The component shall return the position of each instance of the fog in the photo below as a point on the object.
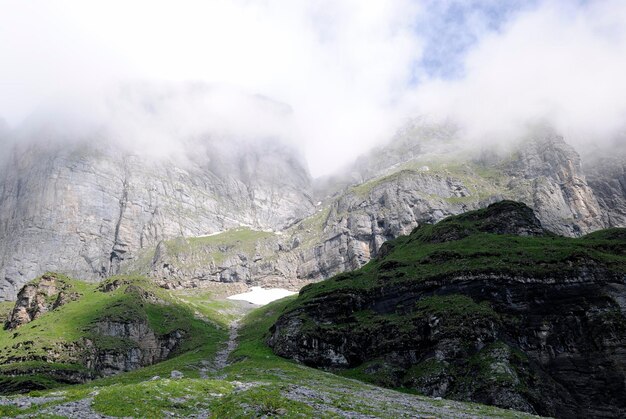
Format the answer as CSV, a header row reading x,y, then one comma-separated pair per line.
x,y
332,78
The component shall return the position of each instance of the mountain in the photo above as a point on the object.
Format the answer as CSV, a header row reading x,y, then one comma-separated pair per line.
x,y
161,184
487,306
85,204
358,211
216,362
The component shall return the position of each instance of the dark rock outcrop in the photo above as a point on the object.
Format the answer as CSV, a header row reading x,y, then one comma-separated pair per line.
x,y
149,348
533,322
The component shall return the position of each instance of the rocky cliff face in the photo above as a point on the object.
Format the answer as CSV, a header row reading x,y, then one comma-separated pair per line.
x,y
466,310
365,216
607,179
421,186
545,173
95,211
240,255
551,173
83,210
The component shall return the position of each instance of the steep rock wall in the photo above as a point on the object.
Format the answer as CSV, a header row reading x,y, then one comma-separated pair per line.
x,y
83,210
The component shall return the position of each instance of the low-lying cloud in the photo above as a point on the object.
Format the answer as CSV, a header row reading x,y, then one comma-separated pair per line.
x,y
347,73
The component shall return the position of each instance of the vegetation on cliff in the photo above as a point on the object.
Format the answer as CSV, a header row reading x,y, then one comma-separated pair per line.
x,y
121,324
485,306
256,383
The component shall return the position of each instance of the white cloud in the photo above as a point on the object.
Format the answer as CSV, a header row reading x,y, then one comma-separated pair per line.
x,y
348,69
342,66
557,63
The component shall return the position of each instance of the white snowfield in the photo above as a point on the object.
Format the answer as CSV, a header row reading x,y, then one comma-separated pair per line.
x,y
262,296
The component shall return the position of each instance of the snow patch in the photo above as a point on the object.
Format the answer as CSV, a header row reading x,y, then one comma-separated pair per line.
x,y
262,296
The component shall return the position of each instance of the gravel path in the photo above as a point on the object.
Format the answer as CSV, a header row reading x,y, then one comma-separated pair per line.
x,y
221,358
354,403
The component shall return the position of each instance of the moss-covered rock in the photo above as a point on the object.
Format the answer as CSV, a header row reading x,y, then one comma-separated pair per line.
x,y
485,307
120,325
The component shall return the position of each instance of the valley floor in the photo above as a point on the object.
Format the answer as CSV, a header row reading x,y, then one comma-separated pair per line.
x,y
243,379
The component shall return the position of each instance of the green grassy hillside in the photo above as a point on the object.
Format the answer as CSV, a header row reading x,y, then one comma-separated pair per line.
x,y
257,383
54,348
485,306
464,244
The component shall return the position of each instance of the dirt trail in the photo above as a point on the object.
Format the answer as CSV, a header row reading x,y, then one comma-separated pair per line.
x,y
221,358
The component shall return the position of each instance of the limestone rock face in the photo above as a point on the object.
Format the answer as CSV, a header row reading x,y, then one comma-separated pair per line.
x,y
83,210
352,223
36,299
546,174
423,180
242,256
364,217
552,173
607,179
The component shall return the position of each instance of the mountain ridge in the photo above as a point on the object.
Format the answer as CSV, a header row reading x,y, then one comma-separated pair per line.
x,y
91,212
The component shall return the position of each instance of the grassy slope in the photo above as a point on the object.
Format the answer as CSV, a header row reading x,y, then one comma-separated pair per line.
x,y
5,309
35,341
421,256
481,181
257,383
228,243
197,252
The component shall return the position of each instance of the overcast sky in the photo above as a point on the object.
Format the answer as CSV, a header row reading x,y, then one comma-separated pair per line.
x,y
351,70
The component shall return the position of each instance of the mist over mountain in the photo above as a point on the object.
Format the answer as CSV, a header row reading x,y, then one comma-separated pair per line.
x,y
153,164
441,183
352,72
101,189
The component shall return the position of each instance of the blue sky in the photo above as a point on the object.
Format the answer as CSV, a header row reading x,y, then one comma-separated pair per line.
x,y
451,28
